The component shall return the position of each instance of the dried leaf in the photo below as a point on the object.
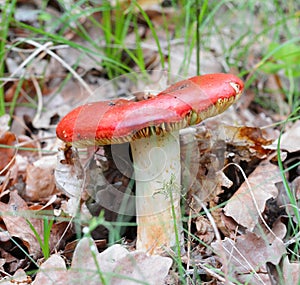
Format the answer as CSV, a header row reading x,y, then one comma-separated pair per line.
x,y
69,173
290,140
7,152
278,229
246,204
248,254
291,272
201,160
14,215
140,266
70,206
205,230
118,267
20,277
116,259
40,182
52,271
4,124
84,269
249,138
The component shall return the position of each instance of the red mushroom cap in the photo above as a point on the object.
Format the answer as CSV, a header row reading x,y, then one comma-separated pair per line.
x,y
185,103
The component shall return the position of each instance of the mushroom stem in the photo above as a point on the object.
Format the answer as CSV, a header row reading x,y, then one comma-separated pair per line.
x,y
157,173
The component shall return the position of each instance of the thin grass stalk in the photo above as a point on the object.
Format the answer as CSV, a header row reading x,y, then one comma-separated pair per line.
x,y
154,34
7,16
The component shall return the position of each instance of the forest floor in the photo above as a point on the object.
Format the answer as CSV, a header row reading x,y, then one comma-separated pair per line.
x,y
61,223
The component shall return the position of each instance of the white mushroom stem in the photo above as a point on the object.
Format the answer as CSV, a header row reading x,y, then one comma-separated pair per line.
x,y
157,173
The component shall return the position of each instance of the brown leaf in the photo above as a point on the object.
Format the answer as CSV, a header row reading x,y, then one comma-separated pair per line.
x,y
249,138
14,215
7,139
114,261
246,204
248,255
201,160
40,182
27,87
204,231
290,140
291,272
19,278
140,266
278,229
52,271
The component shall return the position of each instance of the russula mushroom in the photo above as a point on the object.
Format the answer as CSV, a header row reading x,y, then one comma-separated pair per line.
x,y
152,128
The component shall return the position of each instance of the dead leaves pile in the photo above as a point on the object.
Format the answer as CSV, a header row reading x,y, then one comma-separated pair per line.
x,y
254,245
115,265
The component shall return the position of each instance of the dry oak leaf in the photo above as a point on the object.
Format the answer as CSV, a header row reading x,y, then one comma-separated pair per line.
x,y
247,203
69,173
40,183
117,265
290,140
246,257
7,153
19,278
248,142
291,272
53,272
14,215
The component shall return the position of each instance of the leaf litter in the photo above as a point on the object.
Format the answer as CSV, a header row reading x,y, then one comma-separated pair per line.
x,y
116,264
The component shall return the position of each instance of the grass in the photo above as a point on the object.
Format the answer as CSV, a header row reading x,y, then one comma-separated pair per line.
x,y
44,241
6,19
294,217
255,40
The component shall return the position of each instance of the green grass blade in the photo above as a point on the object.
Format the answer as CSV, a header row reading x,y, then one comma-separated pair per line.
x,y
6,18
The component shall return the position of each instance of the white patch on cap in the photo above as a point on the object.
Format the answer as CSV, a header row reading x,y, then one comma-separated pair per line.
x,y
235,86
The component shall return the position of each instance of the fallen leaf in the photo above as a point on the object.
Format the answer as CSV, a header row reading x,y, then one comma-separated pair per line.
x,y
7,151
116,265
247,203
40,182
14,215
290,140
291,272
84,267
69,173
202,158
4,124
257,279
117,261
283,200
20,277
204,229
279,230
247,256
249,138
138,266
52,271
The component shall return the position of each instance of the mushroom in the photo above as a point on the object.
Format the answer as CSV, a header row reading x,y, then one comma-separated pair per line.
x,y
152,128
